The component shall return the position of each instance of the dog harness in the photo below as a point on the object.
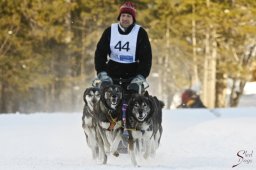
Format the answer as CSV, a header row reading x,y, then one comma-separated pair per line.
x,y
112,121
123,47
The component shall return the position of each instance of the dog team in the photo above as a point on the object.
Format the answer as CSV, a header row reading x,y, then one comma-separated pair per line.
x,y
109,121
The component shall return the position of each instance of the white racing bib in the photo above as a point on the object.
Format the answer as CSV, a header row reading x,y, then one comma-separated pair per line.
x,y
123,47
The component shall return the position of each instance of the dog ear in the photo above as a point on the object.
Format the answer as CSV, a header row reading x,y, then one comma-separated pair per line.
x,y
131,100
146,94
102,91
85,92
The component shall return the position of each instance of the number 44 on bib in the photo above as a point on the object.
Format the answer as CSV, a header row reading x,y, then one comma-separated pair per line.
x,y
120,47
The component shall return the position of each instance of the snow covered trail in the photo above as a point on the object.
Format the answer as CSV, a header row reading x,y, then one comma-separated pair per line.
x,y
192,139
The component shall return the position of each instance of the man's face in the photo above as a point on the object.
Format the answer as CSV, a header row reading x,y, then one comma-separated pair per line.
x,y
126,20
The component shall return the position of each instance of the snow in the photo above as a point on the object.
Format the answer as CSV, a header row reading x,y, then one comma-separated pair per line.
x,y
248,98
250,88
192,139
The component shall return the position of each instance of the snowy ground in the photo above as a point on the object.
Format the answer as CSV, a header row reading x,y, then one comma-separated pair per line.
x,y
192,139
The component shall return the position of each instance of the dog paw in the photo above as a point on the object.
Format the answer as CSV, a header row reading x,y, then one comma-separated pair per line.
x,y
101,161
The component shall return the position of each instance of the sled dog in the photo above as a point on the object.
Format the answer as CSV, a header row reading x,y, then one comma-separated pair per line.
x,y
144,124
91,97
109,124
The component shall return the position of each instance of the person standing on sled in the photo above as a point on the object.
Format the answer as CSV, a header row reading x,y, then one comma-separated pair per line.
x,y
123,55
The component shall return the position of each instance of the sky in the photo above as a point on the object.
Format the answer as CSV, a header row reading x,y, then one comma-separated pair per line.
x,y
198,139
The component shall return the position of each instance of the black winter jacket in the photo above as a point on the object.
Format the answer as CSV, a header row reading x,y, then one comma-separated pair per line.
x,y
120,70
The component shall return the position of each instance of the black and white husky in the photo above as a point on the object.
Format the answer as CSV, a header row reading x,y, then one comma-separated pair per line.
x,y
144,124
91,97
109,122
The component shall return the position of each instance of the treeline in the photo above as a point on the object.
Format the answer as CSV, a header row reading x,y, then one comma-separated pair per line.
x,y
47,49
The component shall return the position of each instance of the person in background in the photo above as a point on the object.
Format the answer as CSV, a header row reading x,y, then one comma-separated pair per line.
x,y
123,54
190,99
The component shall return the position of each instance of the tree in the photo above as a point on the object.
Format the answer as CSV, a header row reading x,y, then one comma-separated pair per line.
x,y
32,30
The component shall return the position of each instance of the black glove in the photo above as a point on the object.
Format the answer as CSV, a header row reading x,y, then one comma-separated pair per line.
x,y
137,84
105,79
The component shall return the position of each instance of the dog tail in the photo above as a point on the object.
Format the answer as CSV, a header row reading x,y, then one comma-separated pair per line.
x,y
160,102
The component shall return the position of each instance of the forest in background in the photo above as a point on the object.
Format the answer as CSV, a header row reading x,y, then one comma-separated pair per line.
x,y
47,49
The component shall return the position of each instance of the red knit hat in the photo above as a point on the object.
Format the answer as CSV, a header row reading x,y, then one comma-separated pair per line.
x,y
187,95
129,8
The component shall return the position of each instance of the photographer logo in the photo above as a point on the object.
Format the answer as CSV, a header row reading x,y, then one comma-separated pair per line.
x,y
244,157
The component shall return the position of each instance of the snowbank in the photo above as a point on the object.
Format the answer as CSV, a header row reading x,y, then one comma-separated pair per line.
x,y
198,139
